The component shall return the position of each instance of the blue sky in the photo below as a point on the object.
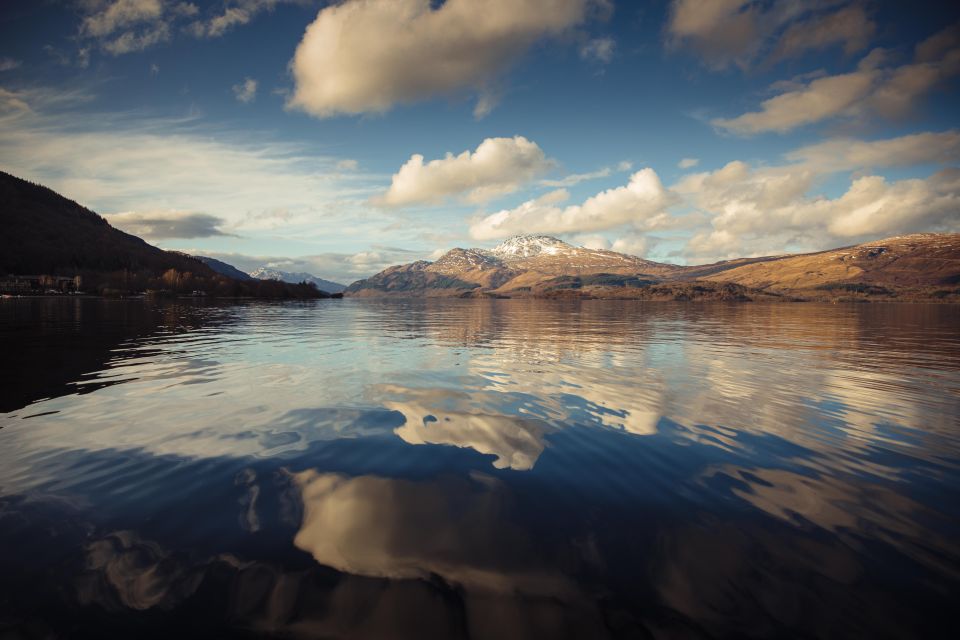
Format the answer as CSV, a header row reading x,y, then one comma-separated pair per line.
x,y
340,138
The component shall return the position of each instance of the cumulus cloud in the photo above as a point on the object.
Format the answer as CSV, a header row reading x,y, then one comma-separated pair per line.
x,y
739,32
155,225
598,50
365,56
592,241
632,243
688,163
872,88
871,207
642,203
245,91
498,166
763,210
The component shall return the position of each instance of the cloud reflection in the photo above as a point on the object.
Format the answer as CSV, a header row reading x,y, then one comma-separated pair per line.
x,y
394,528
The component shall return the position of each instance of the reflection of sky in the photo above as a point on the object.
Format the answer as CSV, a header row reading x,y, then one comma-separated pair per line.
x,y
499,377
511,449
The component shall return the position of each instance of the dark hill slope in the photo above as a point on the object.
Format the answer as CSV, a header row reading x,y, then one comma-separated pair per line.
x,y
43,232
224,269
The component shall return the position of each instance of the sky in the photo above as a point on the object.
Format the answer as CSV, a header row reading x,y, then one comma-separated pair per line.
x,y
340,138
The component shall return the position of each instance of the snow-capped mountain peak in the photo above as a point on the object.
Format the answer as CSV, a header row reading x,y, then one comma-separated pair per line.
x,y
267,273
527,246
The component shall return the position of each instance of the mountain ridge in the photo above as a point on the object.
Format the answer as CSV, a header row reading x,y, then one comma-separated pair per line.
x,y
544,266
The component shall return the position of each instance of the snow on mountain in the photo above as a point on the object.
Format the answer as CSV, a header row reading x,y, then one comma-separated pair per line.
x,y
528,246
266,273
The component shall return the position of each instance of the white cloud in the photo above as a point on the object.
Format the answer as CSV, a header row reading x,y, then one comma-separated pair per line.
x,y
632,243
116,162
245,91
592,241
738,32
347,164
577,178
344,268
871,207
109,17
850,27
764,210
127,26
365,56
498,166
598,50
642,203
822,98
847,154
688,163
872,88
155,225
8,64
236,13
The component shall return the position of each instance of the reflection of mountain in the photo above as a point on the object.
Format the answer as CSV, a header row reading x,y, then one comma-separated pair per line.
x,y
78,337
917,266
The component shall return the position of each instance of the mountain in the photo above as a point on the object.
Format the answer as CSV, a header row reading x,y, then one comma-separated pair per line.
x,y
921,266
223,268
266,273
517,264
45,234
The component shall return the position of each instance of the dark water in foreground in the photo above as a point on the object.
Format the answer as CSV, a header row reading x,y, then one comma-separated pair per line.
x,y
481,469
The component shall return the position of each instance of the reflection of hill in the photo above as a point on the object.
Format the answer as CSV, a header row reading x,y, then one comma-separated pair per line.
x,y
74,337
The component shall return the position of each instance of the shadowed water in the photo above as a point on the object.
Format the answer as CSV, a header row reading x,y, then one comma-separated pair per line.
x,y
478,469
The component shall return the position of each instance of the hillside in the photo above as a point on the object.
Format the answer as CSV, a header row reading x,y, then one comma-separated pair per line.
x,y
47,234
223,268
922,266
918,260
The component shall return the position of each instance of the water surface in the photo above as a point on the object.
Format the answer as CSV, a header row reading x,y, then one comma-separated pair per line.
x,y
478,469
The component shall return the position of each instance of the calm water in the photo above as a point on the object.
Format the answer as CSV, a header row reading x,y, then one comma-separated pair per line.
x,y
478,469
